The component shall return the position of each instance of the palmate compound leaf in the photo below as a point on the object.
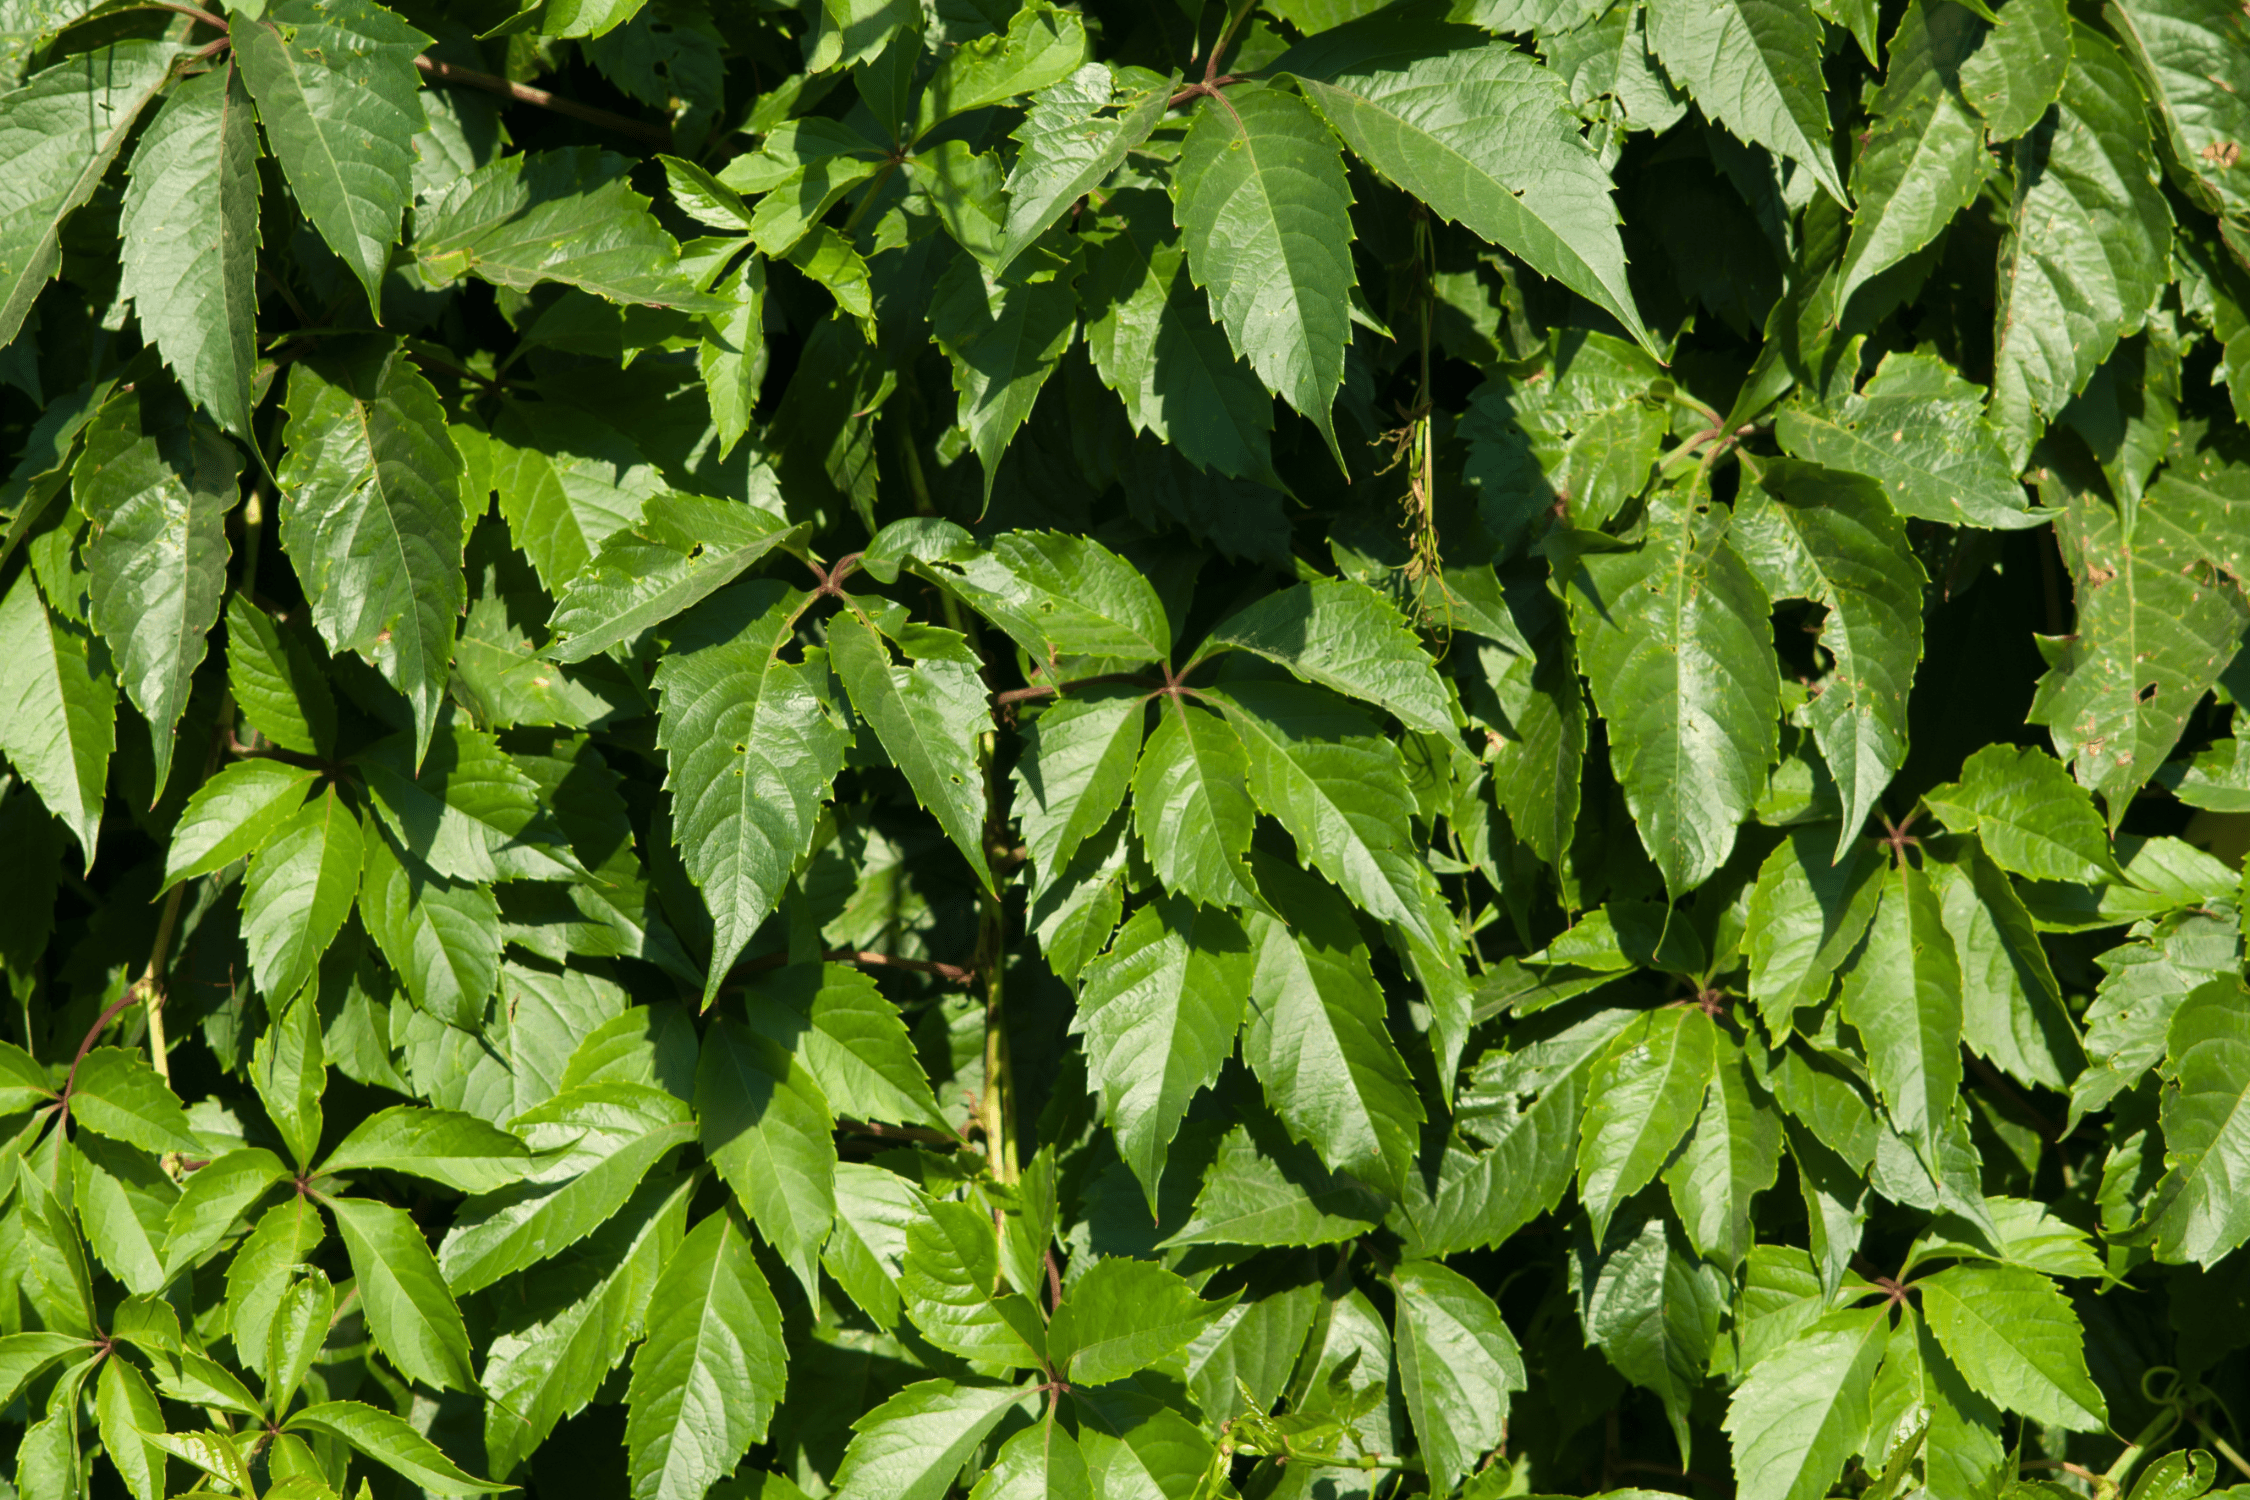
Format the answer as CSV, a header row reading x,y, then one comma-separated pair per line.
x,y
1834,540
1483,135
59,134
372,515
2198,1212
1158,1013
2014,1337
1457,1362
1642,1096
1804,1409
1264,210
927,715
707,1378
2088,244
1755,69
1673,637
58,708
752,747
336,90
190,229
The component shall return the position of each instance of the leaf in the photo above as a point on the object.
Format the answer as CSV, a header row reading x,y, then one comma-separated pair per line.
x,y
1804,1409
1902,994
299,1330
2011,1005
1159,1012
927,717
1075,767
706,1380
1315,1034
752,749
409,1311
2088,241
1042,45
1482,135
2195,1214
1264,1189
1191,806
276,682
569,216
215,1196
2156,625
1005,336
1918,1385
2017,71
1343,636
732,357
866,1249
766,1127
441,937
913,1445
1457,1363
1125,1315
59,133
1263,210
2028,815
2016,1341
335,86
683,549
1923,159
1806,916
567,482
947,1280
2190,60
1653,1309
1754,69
298,890
1042,1463
591,1147
850,1040
1068,143
1690,738
1055,595
443,1145
290,1072
372,516
1733,1155
1643,1095
1833,540
392,1442
124,1409
58,705
472,813
1918,429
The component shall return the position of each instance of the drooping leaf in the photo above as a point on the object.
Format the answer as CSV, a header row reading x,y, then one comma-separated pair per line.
x,y
2194,1213
1652,1308
1068,142
1902,994
1457,1363
1005,334
1733,1155
684,549
394,1443
1343,636
276,682
1191,805
927,716
58,707
409,1311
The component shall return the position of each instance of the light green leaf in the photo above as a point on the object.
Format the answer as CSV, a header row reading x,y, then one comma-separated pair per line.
x,y
752,748
2011,1005
1804,1409
1457,1362
927,716
1344,636
1902,995
567,482
683,549
216,1195
1733,1155
441,937
59,133
392,1442
276,681
298,891
1068,143
2016,1340
1643,1095
232,815
1125,1315
732,355
1265,1189
767,1128
1056,595
1674,640
1481,134
290,1072
1191,806
1918,1384
409,1311
444,1145
121,1197
1754,68
1042,45
1159,1012
1073,772
125,1409
849,1038
336,89
58,708
1806,916
947,1279
913,1445
866,1249
300,1328
1263,209
706,1380
1038,1463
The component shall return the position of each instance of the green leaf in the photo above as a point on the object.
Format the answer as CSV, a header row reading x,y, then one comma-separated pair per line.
x,y
1042,45
753,749
2016,1340
2017,71
683,549
1585,432
732,355
59,133
409,1311
1315,1034
1804,1410
1755,69
232,816
866,1249
2195,1214
1038,1463
1191,806
1457,1362
711,1370
569,216
458,1150
927,716
767,1128
124,1409
1806,916
290,1072
299,1330
1653,1309
1125,1315
1068,143
567,482
336,86
1733,1155
1055,595
216,1195
849,1038
1159,1012
58,707
392,1442
1919,1384
298,890
190,228
1005,336
2028,815
1902,994
1072,775
1481,134
276,681
946,1279
1923,158
116,1094
1344,636
2088,243
471,814
1690,738
372,516
2011,1005
441,937
1264,1189
1643,1095
1264,211
1918,429
591,1146
1832,539
2156,624
121,1198
2191,60
913,1445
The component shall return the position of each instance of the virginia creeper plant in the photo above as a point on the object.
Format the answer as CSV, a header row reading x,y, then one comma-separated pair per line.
x,y
1154,750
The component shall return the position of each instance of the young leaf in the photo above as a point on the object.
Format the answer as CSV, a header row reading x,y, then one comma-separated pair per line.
x,y
1643,1095
124,1409
290,1072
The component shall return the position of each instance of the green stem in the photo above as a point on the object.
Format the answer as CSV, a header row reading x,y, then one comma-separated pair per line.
x,y
2226,1450
2158,1429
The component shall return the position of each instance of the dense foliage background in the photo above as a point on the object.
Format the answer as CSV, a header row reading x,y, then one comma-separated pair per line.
x,y
1147,752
